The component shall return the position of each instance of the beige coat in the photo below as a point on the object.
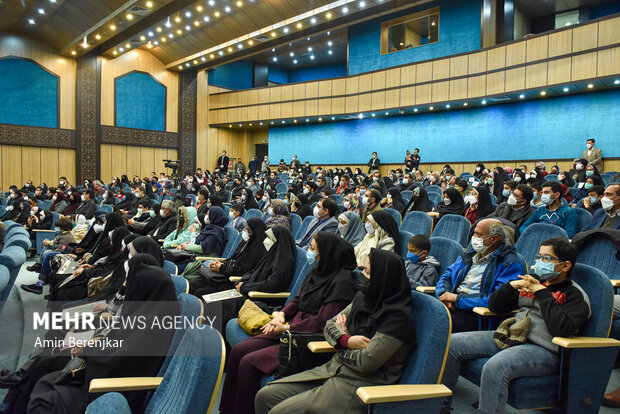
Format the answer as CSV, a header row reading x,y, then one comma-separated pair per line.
x,y
595,157
380,363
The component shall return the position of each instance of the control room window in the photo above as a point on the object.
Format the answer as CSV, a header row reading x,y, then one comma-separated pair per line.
x,y
410,31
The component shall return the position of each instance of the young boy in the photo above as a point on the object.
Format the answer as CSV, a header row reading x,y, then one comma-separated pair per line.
x,y
422,268
236,215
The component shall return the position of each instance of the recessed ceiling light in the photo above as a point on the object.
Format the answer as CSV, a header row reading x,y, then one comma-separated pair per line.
x,y
149,4
432,23
387,113
273,49
260,123
328,15
275,58
295,61
143,38
199,8
329,52
310,49
484,102
416,109
590,85
291,54
122,49
211,3
195,62
430,107
239,3
311,57
220,53
360,116
565,89
156,43
373,114
295,121
217,14
73,52
345,9
115,53
239,46
250,42
313,20
149,45
188,27
299,25
97,36
158,30
180,66
465,104
320,119
617,82
177,19
307,120
203,58
150,34
127,45
285,30
211,55
179,31
330,43
196,23
129,16
521,96
284,122
543,93
113,27
448,106
188,14
170,35
187,64
362,4
230,49
41,11
227,9
271,122
333,117
273,34
53,1
163,39
206,19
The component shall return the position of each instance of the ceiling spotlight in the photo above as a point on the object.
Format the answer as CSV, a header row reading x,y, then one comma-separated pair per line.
x,y
590,85
73,52
203,58
195,62
239,3
187,64
465,104
521,96
128,45
373,114
168,24
416,109
448,106
217,14
188,27
211,55
170,35
230,49
53,1
313,20
311,57
565,89
149,4
291,54
273,49
433,23
177,19
158,30
543,93
113,27
180,66
387,113
360,116
330,43
97,36
129,16
143,38
329,52
239,46
196,23
310,49
150,34
206,19
345,9
199,8
617,82
284,122
307,120
271,122
328,15
250,42
295,61
362,4
188,14
273,34
260,123
430,107
41,11
299,25
320,119
285,30
484,102
211,3
275,58
115,53
122,49
156,43
220,52
149,45
227,9
179,32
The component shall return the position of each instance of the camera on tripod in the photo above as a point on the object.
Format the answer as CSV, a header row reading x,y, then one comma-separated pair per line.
x,y
174,165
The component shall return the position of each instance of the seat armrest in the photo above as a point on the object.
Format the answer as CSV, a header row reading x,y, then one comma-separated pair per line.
x,y
161,240
615,283
174,246
204,259
585,342
124,384
265,295
426,289
234,279
44,231
320,347
401,392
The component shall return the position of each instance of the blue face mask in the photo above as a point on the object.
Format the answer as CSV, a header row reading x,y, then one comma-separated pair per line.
x,y
593,200
490,181
589,173
545,271
311,257
588,186
546,199
413,258
505,193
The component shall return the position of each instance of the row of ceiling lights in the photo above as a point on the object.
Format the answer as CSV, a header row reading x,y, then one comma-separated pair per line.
x,y
41,12
403,111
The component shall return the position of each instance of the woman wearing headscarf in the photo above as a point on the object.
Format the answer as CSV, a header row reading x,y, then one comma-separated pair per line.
x,y
591,181
566,179
452,203
39,220
245,258
350,227
418,202
60,202
351,202
212,239
22,212
81,228
108,198
302,206
74,203
185,219
127,200
382,234
478,172
103,245
578,172
142,353
393,200
247,199
373,337
327,289
279,214
519,176
477,204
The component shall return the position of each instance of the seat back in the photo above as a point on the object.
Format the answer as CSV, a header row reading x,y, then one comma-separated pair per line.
x,y
304,226
301,271
227,195
395,214
106,208
433,189
5,286
551,177
171,268
417,222
601,295
181,285
446,251
12,257
281,188
455,227
55,216
585,218
192,198
193,378
607,178
253,213
434,198
295,223
404,237
529,241
433,327
338,198
601,254
232,242
18,239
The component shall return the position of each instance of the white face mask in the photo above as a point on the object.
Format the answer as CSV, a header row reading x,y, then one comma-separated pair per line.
x,y
306,191
512,200
579,166
342,229
607,203
316,212
369,228
98,228
589,146
161,213
470,199
265,198
126,266
364,200
231,214
268,243
83,198
477,169
346,205
405,180
245,236
110,234
518,178
270,211
478,244
447,201
54,198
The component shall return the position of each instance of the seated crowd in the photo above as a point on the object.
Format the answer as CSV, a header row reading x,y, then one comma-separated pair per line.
x,y
357,277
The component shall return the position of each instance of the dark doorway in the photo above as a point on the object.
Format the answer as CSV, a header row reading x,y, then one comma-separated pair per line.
x,y
261,151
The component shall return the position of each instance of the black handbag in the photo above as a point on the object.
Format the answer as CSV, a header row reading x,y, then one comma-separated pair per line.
x,y
179,256
294,355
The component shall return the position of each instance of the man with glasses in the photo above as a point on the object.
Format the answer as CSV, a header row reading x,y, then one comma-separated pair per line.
x,y
516,208
553,212
606,217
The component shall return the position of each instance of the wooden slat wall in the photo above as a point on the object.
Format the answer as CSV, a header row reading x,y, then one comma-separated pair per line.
x,y
131,160
144,61
514,67
65,68
41,165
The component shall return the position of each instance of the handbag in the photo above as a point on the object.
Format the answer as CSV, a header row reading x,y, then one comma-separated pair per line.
x,y
251,318
294,355
179,256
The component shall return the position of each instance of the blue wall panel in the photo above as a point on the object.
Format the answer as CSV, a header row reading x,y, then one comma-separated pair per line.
x,y
459,31
234,75
28,94
277,74
140,102
317,72
545,128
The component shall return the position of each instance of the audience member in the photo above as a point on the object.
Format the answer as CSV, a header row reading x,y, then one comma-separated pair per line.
x,y
553,212
517,208
594,156
421,267
324,220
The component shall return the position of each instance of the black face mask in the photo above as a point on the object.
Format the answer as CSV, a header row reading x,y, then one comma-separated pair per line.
x,y
362,283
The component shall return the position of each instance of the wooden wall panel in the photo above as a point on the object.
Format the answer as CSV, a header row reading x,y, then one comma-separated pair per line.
x,y
253,113
515,53
584,66
299,108
286,110
608,33
392,98
253,97
537,48
66,164
312,107
408,95
608,62
287,92
365,83
408,74
134,160
496,58
338,105
352,85
65,68
378,80
263,95
364,102
476,86
441,91
424,72
536,75
423,94
458,89
312,90
31,164
274,111
477,62
585,37
11,166
378,101
495,82
325,107
351,104
441,69
515,79
458,65
299,91
202,121
392,78
105,157
325,88
275,94
142,60
338,87
39,164
559,71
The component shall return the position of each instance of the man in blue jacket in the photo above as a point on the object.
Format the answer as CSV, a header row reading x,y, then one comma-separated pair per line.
x,y
469,281
606,217
552,211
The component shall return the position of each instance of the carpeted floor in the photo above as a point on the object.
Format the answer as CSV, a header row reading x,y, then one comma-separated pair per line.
x,y
18,337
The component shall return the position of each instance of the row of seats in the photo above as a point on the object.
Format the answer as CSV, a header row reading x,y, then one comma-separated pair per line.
x,y
13,255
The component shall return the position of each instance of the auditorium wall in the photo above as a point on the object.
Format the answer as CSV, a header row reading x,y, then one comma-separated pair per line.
x,y
41,165
132,160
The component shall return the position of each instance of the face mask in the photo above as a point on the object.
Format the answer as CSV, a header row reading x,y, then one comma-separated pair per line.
x,y
413,258
268,243
518,178
151,213
560,177
62,182
589,146
209,204
231,214
588,186
512,200
607,203
490,181
69,193
57,229
32,212
478,244
161,213
546,199
245,236
362,283
110,234
306,191
265,198
311,257
470,199
589,173
477,169
316,212
364,200
447,201
9,208
545,271
369,228
527,176
505,193
405,181
126,267
579,166
593,200
139,211
346,205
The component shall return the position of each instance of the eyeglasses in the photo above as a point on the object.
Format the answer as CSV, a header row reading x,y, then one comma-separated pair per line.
x,y
546,258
